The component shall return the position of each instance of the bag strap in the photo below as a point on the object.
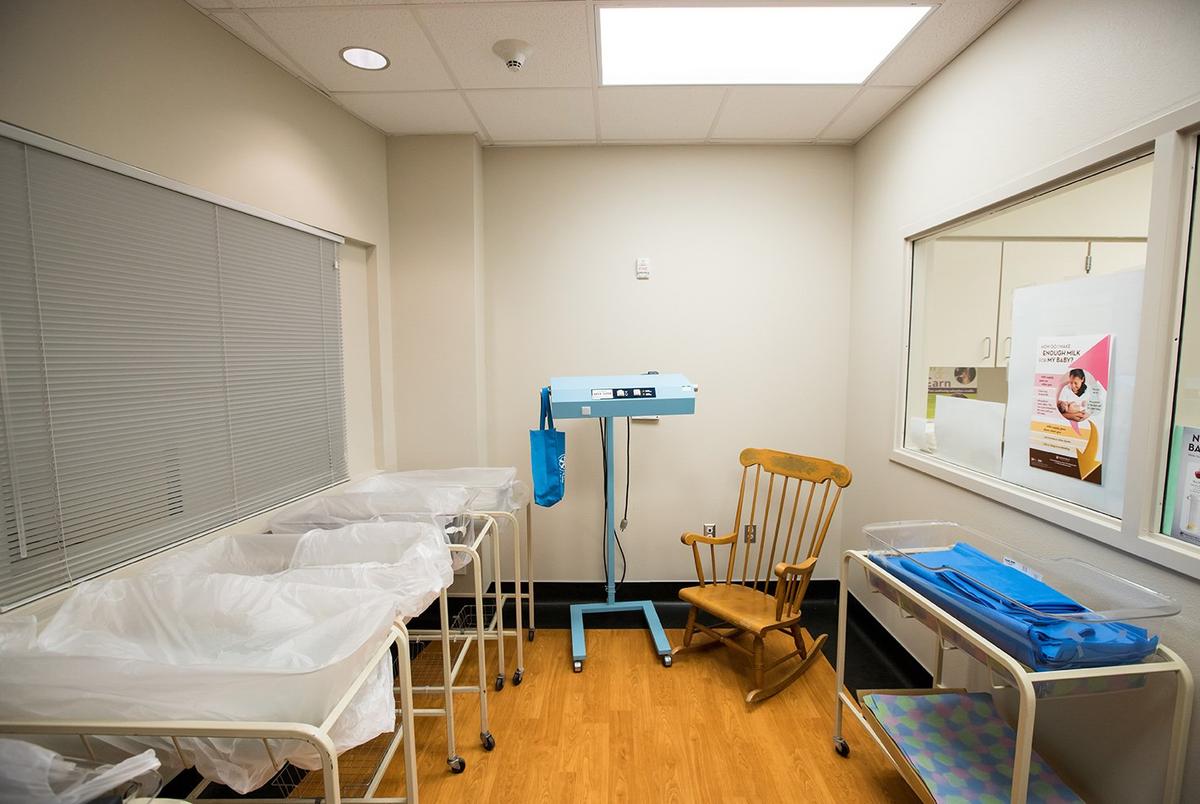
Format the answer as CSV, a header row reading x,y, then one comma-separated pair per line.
x,y
547,414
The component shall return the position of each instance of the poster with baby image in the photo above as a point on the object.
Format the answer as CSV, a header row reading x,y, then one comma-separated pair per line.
x,y
1186,520
1070,387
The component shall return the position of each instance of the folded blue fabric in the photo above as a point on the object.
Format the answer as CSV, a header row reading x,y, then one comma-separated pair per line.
x,y
1011,609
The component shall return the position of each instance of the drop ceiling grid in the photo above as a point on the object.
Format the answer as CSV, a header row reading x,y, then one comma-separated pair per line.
x,y
459,62
483,132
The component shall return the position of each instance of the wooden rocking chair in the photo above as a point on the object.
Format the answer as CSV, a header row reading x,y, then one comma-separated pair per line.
x,y
756,604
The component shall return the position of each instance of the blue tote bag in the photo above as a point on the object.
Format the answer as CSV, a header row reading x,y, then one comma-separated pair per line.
x,y
548,454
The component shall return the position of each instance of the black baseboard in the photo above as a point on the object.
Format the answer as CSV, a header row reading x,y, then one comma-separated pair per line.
x,y
656,591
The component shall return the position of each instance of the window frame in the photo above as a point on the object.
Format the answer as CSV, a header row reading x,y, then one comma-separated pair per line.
x,y
81,155
1172,139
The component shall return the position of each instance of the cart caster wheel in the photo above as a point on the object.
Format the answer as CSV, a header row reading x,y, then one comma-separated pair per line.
x,y
578,666
666,660
499,683
487,740
531,633
518,677
457,764
842,747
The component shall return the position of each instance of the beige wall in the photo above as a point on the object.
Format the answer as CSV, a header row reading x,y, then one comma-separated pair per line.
x,y
155,84
437,270
749,251
1051,77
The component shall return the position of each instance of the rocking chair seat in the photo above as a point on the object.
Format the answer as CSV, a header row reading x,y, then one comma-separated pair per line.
x,y
741,606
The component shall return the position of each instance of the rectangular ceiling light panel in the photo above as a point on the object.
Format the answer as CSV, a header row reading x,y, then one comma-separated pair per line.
x,y
747,45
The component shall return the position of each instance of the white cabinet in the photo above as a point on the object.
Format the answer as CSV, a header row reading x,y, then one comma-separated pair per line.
x,y
1033,262
969,284
962,282
1109,258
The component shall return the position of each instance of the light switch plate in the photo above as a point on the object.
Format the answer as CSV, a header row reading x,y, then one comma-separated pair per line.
x,y
642,268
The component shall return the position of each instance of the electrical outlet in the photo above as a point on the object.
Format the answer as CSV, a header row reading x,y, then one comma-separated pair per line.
x,y
710,529
751,532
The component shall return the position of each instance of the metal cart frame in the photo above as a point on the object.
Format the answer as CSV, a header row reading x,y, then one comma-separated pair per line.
x,y
315,736
953,634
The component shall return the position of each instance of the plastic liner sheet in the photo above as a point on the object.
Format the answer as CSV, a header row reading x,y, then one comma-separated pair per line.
x,y
444,506
208,647
31,774
408,560
336,510
490,488
1018,613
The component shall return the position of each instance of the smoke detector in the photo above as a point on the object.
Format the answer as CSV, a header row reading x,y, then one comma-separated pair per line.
x,y
513,52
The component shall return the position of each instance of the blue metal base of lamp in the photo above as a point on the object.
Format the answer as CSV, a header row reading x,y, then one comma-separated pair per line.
x,y
578,648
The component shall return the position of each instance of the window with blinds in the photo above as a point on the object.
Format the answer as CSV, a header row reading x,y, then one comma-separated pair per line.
x,y
167,366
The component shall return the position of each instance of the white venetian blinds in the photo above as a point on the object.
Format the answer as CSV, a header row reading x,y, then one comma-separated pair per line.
x,y
167,365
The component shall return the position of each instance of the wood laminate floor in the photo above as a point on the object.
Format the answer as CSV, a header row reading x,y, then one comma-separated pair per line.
x,y
627,729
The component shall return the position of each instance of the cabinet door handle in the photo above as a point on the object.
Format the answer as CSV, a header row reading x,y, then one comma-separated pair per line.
x,y
988,343
1008,347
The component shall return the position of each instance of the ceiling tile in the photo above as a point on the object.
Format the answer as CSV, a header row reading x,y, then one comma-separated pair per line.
x,y
241,27
314,37
662,113
558,32
864,112
412,112
780,113
535,115
944,33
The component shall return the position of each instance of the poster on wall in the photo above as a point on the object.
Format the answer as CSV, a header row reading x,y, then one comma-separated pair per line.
x,y
1107,303
1070,392
1185,523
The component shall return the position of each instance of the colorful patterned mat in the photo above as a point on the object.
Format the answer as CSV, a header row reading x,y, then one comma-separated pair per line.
x,y
961,748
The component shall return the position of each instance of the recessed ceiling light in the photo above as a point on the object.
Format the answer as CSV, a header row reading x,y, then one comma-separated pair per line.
x,y
746,45
364,58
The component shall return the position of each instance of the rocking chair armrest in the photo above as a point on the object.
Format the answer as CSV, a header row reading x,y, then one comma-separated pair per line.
x,y
793,579
783,570
692,538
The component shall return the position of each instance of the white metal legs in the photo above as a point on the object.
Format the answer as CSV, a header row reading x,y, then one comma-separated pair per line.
x,y
450,670
497,625
1180,722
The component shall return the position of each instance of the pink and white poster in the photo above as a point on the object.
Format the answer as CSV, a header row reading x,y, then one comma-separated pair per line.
x,y
1070,391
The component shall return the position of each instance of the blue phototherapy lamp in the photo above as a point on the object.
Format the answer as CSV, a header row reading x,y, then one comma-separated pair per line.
x,y
605,398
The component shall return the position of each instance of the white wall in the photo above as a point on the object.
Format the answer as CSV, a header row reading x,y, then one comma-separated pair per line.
x,y
434,209
1051,77
749,250
155,84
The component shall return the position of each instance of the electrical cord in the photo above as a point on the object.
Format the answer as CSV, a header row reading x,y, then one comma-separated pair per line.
x,y
604,460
